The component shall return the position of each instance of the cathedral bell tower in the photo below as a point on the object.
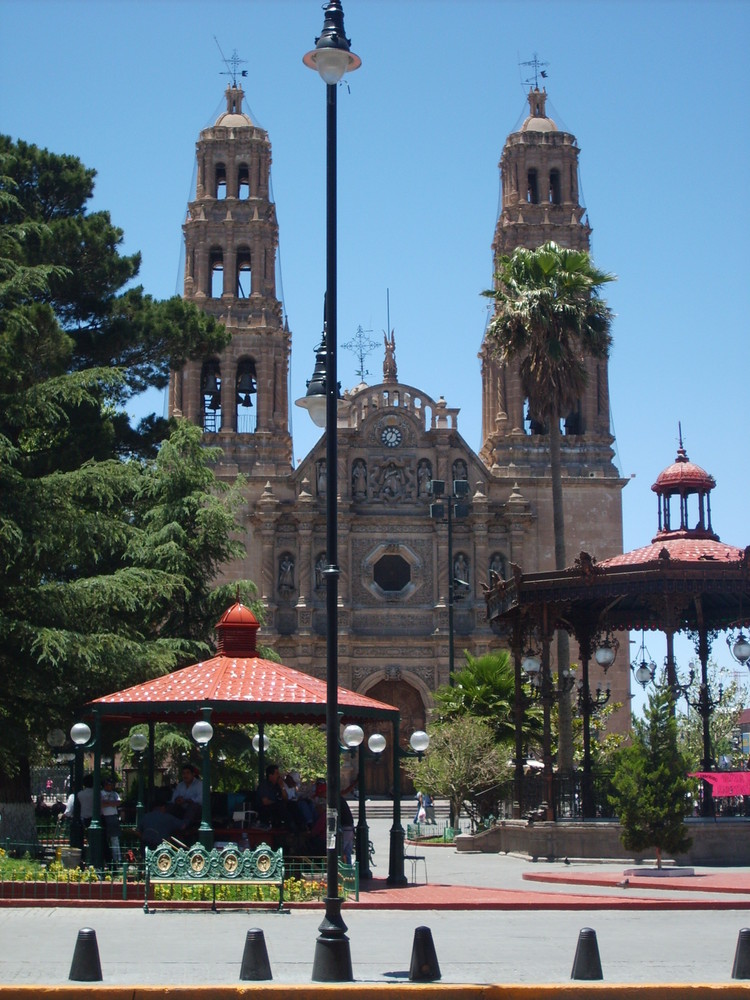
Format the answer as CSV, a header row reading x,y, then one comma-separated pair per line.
x,y
239,397
540,203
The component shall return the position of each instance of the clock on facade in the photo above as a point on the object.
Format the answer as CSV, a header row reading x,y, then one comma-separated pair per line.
x,y
391,437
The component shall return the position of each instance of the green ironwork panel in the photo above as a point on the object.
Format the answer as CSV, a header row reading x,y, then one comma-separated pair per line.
x,y
196,863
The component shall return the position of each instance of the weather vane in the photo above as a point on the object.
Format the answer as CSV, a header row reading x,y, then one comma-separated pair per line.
x,y
361,346
232,64
537,65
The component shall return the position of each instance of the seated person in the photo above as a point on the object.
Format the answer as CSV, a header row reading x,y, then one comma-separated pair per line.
x,y
187,798
158,825
274,806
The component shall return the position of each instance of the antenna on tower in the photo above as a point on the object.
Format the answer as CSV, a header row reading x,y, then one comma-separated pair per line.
x,y
536,64
232,64
361,345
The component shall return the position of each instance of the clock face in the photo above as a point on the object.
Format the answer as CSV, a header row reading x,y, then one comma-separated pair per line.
x,y
391,437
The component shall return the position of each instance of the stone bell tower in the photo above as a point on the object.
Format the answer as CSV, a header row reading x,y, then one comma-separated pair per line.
x,y
540,202
240,397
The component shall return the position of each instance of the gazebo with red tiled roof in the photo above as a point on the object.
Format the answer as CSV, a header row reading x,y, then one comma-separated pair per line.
x,y
239,687
686,580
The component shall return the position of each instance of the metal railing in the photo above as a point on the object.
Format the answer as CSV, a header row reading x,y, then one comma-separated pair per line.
x,y
32,871
498,802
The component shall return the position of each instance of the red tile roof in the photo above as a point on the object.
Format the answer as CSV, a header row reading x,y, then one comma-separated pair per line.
x,y
238,684
237,679
685,550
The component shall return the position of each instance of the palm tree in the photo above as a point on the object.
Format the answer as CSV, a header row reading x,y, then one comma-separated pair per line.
x,y
485,688
549,317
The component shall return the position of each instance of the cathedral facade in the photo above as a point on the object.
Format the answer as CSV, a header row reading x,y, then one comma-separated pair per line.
x,y
410,580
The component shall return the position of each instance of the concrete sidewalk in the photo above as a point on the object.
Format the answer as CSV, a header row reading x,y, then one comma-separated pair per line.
x,y
490,922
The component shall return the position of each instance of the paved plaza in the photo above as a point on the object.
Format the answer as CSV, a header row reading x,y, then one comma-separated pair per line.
x,y
644,935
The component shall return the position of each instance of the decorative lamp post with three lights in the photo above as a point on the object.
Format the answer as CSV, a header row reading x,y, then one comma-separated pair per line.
x,y
332,58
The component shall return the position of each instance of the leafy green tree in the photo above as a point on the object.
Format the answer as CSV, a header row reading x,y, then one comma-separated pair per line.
x,y
463,759
107,548
550,317
650,783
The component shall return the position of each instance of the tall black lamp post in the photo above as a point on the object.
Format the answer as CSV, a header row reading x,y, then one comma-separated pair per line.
x,y
138,744
589,703
375,745
203,732
331,58
457,507
80,734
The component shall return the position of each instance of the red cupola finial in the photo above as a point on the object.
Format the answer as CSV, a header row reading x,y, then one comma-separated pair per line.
x,y
237,630
684,479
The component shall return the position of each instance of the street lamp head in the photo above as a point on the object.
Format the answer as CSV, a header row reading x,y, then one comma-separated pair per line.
x,y
376,743
419,741
644,673
739,648
531,665
202,732
606,652
460,487
353,736
80,733
314,400
138,742
256,742
436,487
332,57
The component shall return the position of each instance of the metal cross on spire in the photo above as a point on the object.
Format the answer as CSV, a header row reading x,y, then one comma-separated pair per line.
x,y
537,65
361,345
232,64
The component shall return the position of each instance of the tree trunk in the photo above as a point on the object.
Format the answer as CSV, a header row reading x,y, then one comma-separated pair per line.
x,y
565,714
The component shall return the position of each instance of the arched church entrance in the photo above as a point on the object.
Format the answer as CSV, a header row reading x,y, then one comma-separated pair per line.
x,y
409,703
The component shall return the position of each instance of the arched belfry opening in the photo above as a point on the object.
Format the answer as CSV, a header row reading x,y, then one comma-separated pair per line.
x,y
246,397
216,273
220,182
243,282
211,397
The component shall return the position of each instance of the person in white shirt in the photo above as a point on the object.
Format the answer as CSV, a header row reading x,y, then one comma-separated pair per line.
x,y
86,799
111,818
187,798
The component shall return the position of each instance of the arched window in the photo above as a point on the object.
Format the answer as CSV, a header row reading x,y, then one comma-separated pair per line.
x,y
554,187
246,389
211,397
244,276
574,420
216,274
243,182
532,188
220,182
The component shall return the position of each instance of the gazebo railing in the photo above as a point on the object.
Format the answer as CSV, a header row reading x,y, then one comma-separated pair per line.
x,y
499,801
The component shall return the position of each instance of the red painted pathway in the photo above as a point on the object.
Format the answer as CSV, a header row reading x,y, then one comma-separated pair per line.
x,y
377,894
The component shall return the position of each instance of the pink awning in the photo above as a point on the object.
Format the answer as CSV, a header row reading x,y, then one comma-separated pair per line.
x,y
724,783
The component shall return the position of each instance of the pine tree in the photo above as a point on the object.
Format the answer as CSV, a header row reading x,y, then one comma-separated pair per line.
x,y
108,543
651,787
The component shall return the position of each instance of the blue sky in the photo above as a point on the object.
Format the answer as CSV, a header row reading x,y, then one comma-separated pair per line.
x,y
655,92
